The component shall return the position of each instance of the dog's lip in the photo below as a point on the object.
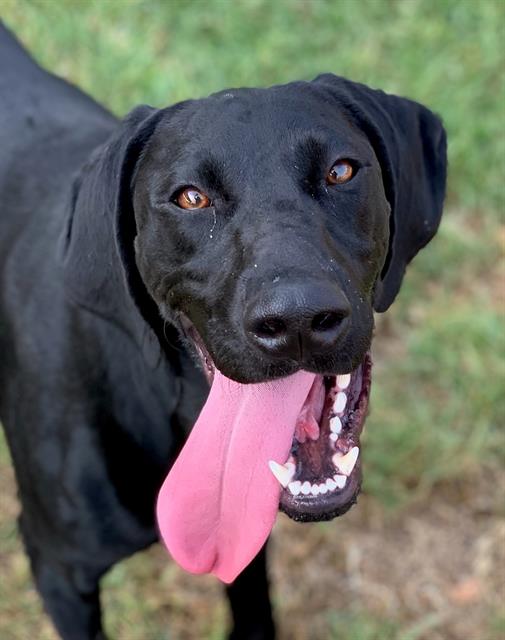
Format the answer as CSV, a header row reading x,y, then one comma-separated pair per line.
x,y
206,361
312,509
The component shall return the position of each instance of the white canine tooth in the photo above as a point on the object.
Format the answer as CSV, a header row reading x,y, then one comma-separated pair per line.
x,y
340,481
314,490
295,487
306,487
345,463
323,488
283,472
331,484
340,402
336,425
344,380
333,437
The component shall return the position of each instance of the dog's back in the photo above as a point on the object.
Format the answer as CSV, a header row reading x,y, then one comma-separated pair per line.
x,y
47,129
35,104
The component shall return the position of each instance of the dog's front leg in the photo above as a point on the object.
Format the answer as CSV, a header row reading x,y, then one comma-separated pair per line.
x,y
250,602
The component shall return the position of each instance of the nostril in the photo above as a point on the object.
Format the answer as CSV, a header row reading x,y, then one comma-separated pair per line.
x,y
326,321
270,328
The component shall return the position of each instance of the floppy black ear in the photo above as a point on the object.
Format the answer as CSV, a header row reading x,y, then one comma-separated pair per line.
x,y
410,144
97,248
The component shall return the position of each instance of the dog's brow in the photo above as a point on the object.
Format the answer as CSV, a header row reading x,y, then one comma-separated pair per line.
x,y
311,154
212,172
313,147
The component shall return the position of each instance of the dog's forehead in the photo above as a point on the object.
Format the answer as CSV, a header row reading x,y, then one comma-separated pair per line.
x,y
291,101
274,117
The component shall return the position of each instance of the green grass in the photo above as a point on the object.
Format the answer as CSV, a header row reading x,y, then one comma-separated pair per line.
x,y
437,412
361,626
445,53
438,402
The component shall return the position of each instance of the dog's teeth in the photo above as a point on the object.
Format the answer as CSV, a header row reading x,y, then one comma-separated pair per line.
x,y
340,481
306,487
340,402
333,437
295,487
336,425
345,463
323,488
314,489
344,380
283,472
331,484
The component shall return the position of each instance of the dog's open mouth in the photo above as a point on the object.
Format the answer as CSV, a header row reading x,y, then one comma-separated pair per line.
x,y
321,478
289,444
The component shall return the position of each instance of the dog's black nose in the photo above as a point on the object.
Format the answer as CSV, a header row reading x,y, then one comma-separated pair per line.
x,y
295,320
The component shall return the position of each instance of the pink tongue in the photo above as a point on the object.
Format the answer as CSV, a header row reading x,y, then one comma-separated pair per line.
x,y
220,500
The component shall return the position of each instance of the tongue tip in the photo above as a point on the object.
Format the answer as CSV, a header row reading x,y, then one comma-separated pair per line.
x,y
226,577
227,569
202,553
225,562
223,569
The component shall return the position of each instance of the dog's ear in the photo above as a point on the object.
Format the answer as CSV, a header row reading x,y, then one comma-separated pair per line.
x,y
97,246
410,144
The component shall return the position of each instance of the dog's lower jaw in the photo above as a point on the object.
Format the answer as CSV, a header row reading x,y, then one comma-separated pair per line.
x,y
323,472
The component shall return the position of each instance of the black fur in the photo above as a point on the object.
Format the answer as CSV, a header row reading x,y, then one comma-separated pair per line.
x,y
98,267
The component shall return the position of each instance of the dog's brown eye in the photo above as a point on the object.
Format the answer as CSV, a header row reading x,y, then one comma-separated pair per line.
x,y
191,198
341,172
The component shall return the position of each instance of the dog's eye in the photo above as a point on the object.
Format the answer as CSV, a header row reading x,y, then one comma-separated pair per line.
x,y
191,198
341,172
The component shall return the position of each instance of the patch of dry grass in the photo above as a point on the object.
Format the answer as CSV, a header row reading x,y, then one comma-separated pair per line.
x,y
434,570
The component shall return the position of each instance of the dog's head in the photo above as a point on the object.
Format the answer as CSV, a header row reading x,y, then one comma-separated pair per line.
x,y
276,220
268,225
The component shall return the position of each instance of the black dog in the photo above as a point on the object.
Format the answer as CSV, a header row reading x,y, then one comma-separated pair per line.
x,y
244,238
